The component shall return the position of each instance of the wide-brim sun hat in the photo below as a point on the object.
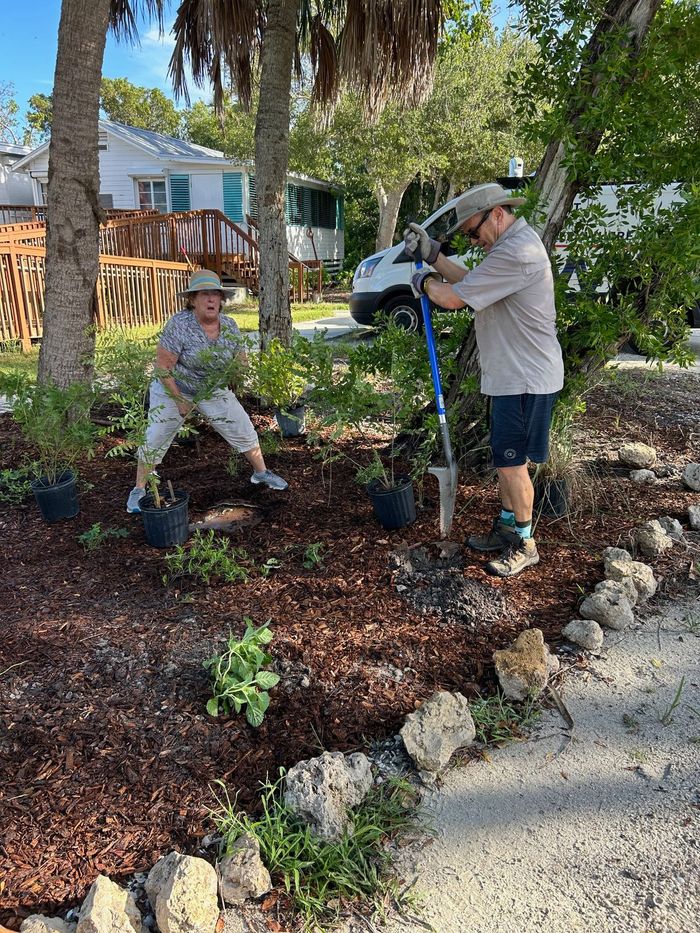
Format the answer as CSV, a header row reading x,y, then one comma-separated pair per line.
x,y
482,198
203,280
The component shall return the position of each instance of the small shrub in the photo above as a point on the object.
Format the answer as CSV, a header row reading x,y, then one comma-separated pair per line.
x,y
238,679
233,464
96,536
205,558
269,443
321,877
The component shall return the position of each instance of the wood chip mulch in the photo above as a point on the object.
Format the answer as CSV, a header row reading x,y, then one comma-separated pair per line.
x,y
108,756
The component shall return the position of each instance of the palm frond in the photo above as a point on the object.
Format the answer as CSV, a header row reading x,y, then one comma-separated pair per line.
x,y
219,39
388,49
324,62
124,16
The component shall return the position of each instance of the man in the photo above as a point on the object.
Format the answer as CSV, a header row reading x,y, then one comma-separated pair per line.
x,y
512,295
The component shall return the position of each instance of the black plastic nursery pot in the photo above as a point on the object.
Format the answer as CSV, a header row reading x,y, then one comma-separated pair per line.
x,y
394,507
167,526
552,497
58,500
291,420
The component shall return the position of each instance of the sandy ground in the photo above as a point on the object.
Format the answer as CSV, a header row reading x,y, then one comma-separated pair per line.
x,y
597,831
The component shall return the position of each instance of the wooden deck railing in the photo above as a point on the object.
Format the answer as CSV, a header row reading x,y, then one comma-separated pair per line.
x,y
19,213
130,292
141,260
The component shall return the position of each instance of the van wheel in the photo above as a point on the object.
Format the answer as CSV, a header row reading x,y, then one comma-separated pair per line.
x,y
406,313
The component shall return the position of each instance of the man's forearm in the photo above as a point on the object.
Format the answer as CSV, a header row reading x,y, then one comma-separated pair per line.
x,y
443,295
448,269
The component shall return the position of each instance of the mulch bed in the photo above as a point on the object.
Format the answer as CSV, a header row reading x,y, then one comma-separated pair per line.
x,y
108,756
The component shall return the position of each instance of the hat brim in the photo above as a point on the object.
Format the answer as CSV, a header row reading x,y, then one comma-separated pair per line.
x,y
509,202
225,292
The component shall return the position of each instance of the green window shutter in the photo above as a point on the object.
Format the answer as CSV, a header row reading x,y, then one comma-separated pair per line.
x,y
180,192
233,195
339,213
308,202
252,197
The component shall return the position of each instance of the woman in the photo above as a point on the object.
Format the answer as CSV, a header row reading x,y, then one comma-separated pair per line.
x,y
194,344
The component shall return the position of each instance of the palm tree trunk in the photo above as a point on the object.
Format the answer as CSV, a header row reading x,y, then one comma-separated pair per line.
x,y
389,205
271,160
74,212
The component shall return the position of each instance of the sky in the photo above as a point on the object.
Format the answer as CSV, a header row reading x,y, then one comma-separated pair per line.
x,y
28,41
29,36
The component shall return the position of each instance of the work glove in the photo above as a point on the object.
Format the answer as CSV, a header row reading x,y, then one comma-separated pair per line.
x,y
418,280
418,244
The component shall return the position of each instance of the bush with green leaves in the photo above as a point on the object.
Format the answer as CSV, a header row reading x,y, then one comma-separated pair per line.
x,y
56,422
323,877
207,557
96,536
313,555
278,376
237,677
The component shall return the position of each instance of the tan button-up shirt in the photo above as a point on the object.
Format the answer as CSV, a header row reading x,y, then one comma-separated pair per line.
x,y
512,294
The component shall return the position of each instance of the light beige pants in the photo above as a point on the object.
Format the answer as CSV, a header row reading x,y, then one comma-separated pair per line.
x,y
223,411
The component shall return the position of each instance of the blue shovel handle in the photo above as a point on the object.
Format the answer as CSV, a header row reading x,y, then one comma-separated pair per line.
x,y
435,372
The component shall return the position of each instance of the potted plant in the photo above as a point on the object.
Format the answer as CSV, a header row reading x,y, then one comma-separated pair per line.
x,y
352,402
279,377
57,423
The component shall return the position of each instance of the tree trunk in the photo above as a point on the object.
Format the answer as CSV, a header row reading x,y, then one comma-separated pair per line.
x,y
271,161
557,185
438,192
389,205
74,212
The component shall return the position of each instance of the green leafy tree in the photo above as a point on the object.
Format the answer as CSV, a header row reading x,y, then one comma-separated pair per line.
x,y
40,115
145,108
233,131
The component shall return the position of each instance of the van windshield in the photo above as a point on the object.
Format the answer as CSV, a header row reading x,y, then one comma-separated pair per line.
x,y
437,230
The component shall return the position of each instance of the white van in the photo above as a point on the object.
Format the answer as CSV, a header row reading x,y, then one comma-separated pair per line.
x,y
382,282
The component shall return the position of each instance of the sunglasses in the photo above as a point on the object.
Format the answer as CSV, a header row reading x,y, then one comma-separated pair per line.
x,y
473,234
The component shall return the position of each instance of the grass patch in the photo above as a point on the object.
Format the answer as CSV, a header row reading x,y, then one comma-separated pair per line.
x,y
499,721
246,314
321,877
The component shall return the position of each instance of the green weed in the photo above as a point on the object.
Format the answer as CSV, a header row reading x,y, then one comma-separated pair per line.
x,y
314,556
666,717
237,677
207,558
15,485
321,877
96,536
498,721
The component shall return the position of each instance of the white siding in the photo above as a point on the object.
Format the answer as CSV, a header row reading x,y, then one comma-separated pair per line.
x,y
15,187
330,244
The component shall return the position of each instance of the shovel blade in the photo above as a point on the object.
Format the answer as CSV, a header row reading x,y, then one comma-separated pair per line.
x,y
447,481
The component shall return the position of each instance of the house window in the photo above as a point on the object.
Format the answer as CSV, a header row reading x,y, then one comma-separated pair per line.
x,y
106,200
152,195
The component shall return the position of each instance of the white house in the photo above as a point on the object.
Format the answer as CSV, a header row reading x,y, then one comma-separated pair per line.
x,y
15,187
144,170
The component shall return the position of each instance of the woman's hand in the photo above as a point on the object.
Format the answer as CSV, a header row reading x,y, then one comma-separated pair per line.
x,y
183,406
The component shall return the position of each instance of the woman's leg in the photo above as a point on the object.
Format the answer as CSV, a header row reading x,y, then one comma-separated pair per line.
x,y
164,421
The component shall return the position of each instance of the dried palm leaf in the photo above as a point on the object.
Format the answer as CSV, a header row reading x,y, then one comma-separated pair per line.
x,y
124,15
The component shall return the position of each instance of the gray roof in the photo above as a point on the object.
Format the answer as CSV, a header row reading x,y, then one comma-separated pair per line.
x,y
160,146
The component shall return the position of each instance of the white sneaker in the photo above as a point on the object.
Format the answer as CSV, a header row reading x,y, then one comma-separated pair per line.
x,y
270,479
135,496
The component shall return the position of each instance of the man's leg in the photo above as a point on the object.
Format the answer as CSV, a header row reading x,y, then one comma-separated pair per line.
x,y
517,495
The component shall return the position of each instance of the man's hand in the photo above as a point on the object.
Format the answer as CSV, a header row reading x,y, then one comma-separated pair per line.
x,y
418,244
418,280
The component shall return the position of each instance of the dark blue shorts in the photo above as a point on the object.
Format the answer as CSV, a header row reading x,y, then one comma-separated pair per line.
x,y
520,428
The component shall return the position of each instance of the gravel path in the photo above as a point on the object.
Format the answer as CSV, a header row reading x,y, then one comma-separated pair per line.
x,y
595,833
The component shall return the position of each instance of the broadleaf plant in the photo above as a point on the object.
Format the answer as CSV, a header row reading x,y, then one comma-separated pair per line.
x,y
238,680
